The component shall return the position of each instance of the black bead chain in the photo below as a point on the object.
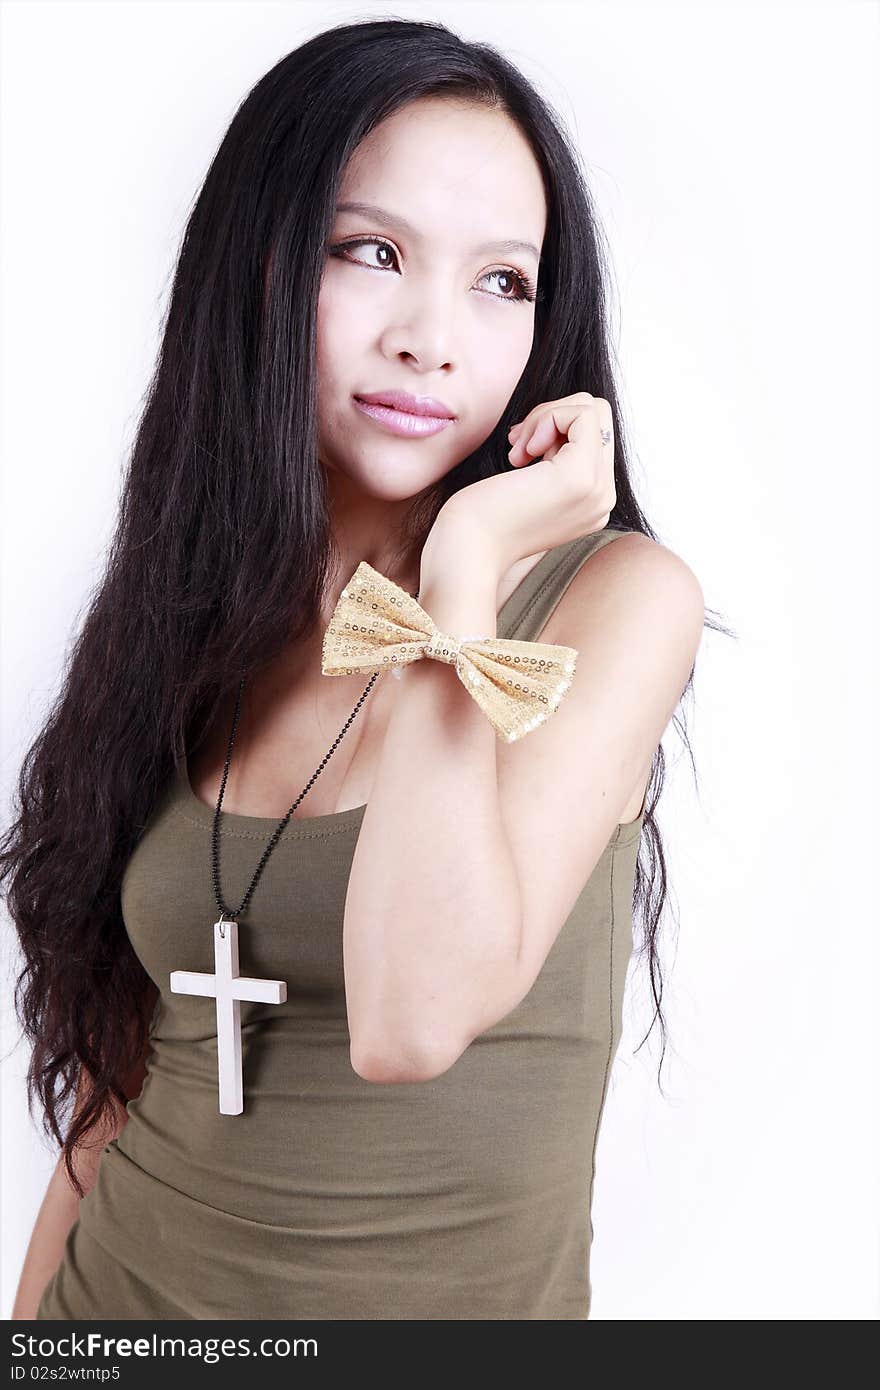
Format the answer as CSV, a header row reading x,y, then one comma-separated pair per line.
x,y
279,829
276,834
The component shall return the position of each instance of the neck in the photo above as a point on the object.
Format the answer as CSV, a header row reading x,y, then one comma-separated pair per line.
x,y
371,529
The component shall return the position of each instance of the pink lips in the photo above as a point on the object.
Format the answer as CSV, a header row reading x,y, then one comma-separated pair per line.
x,y
403,414
412,405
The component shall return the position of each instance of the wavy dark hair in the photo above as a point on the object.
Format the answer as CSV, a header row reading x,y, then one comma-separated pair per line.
x,y
223,544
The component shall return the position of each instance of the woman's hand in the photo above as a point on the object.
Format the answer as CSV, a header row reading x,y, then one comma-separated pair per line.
x,y
568,492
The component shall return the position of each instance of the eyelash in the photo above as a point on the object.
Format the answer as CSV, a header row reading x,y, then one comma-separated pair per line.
x,y
528,291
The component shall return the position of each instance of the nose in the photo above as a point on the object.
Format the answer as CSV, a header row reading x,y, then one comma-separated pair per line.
x,y
425,329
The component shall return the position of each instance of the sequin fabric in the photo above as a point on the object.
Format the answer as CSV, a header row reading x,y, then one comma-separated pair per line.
x,y
377,625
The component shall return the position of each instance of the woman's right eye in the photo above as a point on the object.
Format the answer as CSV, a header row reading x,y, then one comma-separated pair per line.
x,y
363,241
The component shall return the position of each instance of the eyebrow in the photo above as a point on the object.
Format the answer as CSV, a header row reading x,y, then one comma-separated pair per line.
x,y
391,220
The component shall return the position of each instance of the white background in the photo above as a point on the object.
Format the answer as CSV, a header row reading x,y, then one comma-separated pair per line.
x,y
733,154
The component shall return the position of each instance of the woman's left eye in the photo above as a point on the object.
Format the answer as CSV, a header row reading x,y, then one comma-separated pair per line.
x,y
526,290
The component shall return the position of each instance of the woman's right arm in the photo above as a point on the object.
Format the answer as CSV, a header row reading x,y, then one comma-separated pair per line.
x,y
60,1206
57,1214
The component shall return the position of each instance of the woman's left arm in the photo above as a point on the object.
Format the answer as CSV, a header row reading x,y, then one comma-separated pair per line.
x,y
472,851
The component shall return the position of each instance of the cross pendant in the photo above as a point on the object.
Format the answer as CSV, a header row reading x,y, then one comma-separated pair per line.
x,y
229,988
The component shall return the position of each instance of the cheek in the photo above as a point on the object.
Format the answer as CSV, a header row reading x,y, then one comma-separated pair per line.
x,y
344,339
332,349
499,370
341,313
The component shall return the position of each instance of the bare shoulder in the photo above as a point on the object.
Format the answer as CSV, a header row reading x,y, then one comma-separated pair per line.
x,y
637,557
626,585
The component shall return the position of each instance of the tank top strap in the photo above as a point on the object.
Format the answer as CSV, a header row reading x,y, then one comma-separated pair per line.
x,y
526,611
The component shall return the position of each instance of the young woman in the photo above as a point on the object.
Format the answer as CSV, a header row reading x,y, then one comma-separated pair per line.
x,y
332,966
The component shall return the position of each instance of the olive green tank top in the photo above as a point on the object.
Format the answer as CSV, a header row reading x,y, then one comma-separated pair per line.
x,y
332,1197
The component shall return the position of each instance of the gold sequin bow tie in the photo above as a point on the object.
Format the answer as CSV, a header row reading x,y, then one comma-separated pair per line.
x,y
376,624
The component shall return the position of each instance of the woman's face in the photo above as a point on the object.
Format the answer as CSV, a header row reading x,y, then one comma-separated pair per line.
x,y
431,302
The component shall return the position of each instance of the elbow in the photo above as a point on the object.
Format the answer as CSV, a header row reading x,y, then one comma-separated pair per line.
x,y
387,1062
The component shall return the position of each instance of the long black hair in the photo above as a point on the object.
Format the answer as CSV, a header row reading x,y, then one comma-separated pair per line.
x,y
223,545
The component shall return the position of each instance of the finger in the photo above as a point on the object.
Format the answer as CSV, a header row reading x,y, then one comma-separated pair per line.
x,y
560,414
559,424
541,437
529,421
540,434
